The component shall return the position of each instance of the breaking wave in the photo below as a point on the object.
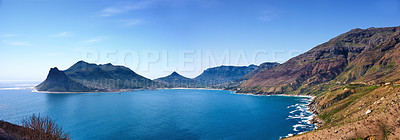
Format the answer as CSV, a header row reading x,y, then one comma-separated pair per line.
x,y
302,116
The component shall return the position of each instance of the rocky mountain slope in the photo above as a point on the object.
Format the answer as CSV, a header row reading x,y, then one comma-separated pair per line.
x,y
357,112
356,81
368,55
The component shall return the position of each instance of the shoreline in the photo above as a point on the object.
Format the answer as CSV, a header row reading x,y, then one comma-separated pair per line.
x,y
122,91
193,88
309,108
307,96
307,105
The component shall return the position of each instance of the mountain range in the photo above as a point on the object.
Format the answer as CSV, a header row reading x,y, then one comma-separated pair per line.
x,y
87,77
354,78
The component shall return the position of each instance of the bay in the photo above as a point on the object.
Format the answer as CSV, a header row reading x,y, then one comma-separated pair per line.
x,y
162,113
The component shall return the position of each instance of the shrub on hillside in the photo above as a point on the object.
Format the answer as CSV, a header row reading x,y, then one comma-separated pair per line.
x,y
43,128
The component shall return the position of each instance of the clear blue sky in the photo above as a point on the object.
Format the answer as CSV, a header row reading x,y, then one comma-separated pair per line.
x,y
156,37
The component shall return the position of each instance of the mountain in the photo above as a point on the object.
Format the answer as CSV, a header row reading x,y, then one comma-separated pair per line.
x,y
365,55
58,81
86,77
107,77
355,78
266,65
222,74
233,85
176,80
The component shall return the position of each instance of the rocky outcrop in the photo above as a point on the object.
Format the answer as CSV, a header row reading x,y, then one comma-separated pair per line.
x,y
9,131
58,81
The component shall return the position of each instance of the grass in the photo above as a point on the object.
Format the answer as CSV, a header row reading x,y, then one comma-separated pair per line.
x,y
360,91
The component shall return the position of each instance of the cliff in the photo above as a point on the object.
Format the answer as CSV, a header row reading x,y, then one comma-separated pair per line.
x,y
58,81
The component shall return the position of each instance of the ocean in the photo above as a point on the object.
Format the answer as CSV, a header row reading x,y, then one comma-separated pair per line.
x,y
160,114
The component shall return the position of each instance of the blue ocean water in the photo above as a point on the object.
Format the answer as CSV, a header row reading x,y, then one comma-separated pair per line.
x,y
161,114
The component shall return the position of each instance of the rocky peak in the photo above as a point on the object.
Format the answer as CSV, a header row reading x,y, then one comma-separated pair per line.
x,y
54,73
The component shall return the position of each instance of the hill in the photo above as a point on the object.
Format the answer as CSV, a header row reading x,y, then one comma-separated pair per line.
x,y
222,74
58,81
359,55
356,81
176,80
86,77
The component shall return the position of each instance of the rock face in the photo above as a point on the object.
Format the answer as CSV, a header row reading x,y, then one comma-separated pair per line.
x,y
369,55
9,131
223,74
58,81
176,80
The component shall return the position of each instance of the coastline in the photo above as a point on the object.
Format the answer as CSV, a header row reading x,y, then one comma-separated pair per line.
x,y
309,108
193,88
51,92
121,91
306,107
307,96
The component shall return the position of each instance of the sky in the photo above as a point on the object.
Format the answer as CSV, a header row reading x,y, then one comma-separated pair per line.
x,y
157,37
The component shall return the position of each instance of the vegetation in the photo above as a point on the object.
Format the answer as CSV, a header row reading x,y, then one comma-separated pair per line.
x,y
44,128
35,127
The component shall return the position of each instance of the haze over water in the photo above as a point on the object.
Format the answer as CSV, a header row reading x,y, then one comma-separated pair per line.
x,y
161,114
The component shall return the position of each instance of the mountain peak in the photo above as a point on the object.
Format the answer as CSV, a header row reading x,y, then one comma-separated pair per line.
x,y
175,74
54,72
58,81
54,69
82,62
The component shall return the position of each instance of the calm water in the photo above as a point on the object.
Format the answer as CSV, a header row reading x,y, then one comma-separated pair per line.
x,y
160,114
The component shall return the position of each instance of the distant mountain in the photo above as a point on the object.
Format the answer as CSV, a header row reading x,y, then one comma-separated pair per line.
x,y
94,78
176,80
58,81
263,66
87,77
222,74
